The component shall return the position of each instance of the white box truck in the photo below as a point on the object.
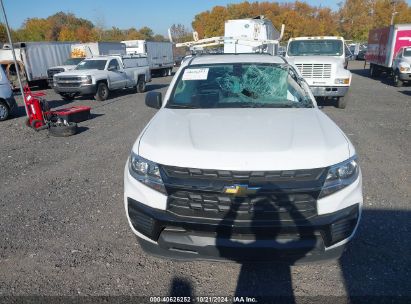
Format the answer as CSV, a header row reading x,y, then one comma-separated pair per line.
x,y
159,54
37,57
80,51
389,50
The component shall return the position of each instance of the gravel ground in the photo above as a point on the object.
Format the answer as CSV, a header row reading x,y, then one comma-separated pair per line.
x,y
64,230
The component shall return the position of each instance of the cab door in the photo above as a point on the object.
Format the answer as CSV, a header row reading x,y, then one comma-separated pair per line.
x,y
116,75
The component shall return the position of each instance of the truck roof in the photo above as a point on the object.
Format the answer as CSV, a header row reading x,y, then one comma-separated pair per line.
x,y
318,37
235,58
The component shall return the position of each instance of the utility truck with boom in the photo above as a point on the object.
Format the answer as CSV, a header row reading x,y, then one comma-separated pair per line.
x,y
250,35
322,61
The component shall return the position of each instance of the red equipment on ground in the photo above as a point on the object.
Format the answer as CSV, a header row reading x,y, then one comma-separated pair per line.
x,y
36,107
39,114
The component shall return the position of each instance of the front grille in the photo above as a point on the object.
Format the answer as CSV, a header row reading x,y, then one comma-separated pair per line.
x,y
268,207
315,71
68,85
66,78
225,175
261,195
52,72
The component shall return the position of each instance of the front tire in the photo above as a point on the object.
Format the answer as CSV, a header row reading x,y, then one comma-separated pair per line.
x,y
141,85
342,102
397,81
102,92
4,111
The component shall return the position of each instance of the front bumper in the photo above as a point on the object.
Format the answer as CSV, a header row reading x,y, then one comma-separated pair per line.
x,y
329,91
405,76
81,90
195,238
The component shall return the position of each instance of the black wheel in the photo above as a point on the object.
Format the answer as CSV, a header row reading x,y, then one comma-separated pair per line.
x,y
102,92
68,96
62,130
374,71
164,72
397,81
4,111
141,85
342,102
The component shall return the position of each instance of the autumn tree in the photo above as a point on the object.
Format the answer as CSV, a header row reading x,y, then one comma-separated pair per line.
x,y
180,33
356,19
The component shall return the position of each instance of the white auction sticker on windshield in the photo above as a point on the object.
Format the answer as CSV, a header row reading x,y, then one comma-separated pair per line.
x,y
195,74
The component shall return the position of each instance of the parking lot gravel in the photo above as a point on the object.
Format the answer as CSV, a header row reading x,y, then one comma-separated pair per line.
x,y
64,230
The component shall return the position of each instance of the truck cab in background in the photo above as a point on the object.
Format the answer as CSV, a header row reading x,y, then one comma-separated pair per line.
x,y
401,66
322,62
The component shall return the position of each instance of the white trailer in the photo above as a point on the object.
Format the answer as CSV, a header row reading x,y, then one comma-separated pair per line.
x,y
159,54
37,57
91,49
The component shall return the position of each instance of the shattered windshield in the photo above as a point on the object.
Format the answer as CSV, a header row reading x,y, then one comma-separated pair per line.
x,y
322,47
238,85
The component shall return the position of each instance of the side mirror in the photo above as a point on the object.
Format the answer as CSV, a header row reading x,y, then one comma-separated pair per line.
x,y
111,68
154,100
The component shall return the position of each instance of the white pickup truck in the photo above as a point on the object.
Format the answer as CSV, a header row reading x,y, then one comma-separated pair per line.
x,y
240,164
322,62
99,75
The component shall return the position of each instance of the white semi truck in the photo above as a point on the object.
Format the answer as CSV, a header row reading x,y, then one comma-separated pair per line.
x,y
322,62
159,54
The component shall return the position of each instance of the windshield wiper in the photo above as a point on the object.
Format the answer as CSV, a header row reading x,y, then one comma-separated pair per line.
x,y
182,106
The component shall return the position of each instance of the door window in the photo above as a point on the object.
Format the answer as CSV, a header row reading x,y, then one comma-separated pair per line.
x,y
113,65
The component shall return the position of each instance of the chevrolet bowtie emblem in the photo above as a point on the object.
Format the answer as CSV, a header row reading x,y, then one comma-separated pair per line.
x,y
240,190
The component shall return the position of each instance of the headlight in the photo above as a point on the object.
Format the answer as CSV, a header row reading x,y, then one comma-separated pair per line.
x,y
86,79
405,68
146,172
342,80
340,176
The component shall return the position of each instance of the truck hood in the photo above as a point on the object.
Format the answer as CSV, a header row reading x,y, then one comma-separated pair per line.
x,y
316,59
80,72
406,59
243,139
65,67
